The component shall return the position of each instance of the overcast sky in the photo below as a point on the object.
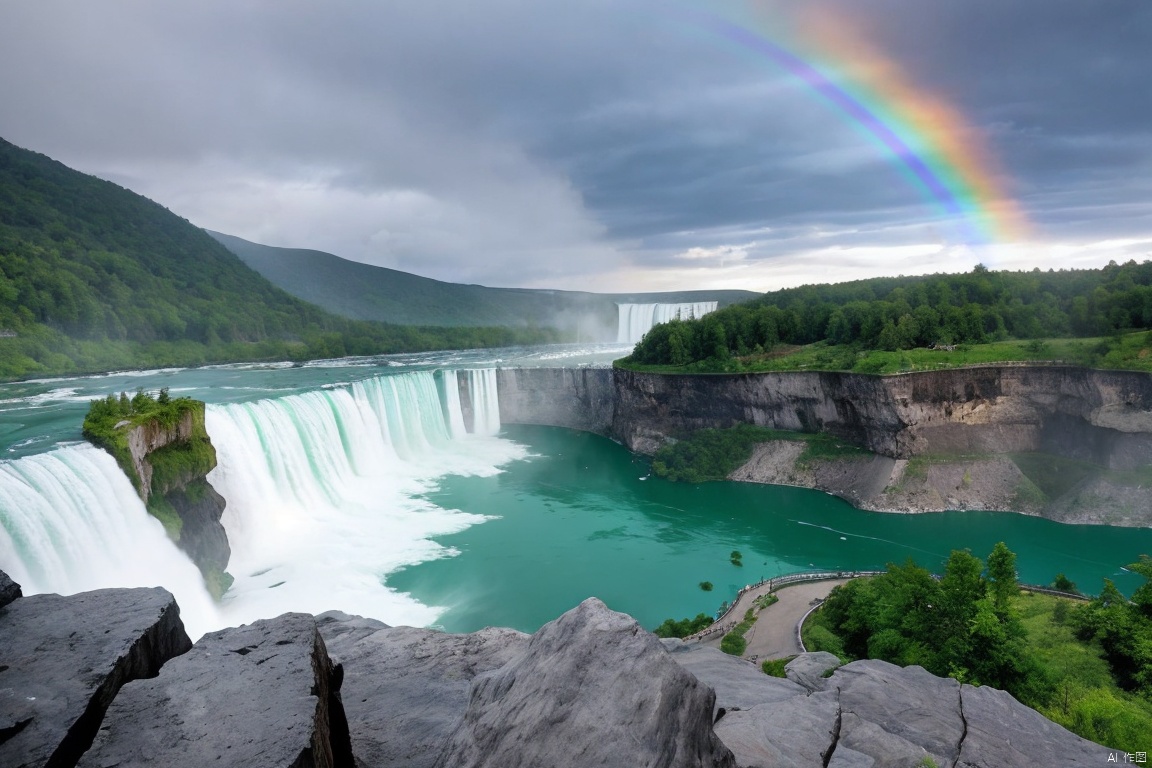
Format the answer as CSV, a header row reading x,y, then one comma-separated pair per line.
x,y
612,145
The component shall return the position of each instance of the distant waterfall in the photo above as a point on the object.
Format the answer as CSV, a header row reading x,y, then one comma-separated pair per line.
x,y
325,489
635,320
70,521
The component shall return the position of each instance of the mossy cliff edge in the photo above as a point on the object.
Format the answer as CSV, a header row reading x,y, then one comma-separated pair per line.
x,y
164,449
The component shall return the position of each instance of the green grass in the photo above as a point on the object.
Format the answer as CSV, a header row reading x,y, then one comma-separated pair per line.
x,y
775,667
1132,351
713,454
109,422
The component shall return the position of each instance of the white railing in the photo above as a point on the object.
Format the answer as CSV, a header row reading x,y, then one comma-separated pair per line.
x,y
723,622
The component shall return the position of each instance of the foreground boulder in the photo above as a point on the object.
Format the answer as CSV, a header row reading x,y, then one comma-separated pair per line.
x,y
591,688
872,713
406,689
63,659
264,695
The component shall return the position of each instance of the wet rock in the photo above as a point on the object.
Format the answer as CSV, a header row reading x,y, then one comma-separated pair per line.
x,y
63,659
405,690
261,695
591,688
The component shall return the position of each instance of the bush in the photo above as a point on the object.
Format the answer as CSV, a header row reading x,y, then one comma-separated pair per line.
x,y
683,627
706,586
733,644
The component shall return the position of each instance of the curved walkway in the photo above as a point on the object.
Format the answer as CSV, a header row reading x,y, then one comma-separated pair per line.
x,y
773,636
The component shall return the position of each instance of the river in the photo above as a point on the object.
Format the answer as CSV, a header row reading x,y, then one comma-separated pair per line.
x,y
351,485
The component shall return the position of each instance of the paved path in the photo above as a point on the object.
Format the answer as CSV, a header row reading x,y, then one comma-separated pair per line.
x,y
773,636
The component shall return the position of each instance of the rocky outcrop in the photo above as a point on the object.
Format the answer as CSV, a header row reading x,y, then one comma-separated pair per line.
x,y
871,713
63,660
172,463
406,689
264,695
9,590
591,688
957,427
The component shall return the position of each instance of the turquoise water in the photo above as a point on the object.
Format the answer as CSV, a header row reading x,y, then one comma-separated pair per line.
x,y
577,520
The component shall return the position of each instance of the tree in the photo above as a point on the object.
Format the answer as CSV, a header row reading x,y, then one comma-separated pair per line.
x,y
1002,572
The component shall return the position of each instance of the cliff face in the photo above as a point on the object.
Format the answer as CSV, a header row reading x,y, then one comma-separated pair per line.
x,y
172,463
1099,416
942,439
577,398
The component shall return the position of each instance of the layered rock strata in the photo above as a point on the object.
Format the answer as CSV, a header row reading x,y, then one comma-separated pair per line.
x,y
938,440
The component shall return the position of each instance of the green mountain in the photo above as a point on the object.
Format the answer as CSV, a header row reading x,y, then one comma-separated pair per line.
x,y
95,277
365,292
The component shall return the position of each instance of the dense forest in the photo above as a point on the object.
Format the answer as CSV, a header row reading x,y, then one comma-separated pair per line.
x,y
94,277
903,313
1087,666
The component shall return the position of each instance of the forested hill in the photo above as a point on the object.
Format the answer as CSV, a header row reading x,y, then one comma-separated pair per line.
x,y
95,277
366,292
904,313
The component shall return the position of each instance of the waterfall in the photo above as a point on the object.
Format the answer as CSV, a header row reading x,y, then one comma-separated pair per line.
x,y
485,401
635,320
450,395
325,489
325,492
70,521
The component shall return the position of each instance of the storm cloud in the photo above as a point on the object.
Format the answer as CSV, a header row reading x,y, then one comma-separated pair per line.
x,y
587,144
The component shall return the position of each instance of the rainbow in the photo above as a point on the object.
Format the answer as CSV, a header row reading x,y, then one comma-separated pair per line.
x,y
927,138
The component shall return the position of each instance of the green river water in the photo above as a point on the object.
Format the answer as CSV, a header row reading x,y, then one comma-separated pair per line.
x,y
577,520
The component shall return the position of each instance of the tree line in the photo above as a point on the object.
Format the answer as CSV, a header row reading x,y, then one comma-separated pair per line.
x,y
95,277
906,312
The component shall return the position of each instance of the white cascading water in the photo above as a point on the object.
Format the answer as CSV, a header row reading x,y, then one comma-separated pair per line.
x,y
450,396
324,489
70,521
485,401
323,492
635,320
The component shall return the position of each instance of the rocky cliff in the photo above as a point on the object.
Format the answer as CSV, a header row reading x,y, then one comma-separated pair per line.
x,y
169,464
107,679
941,440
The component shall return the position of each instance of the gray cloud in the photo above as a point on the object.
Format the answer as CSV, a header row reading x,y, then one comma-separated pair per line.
x,y
526,143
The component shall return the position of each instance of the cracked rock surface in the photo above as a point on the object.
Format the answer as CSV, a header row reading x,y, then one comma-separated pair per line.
x,y
262,695
406,689
871,713
63,659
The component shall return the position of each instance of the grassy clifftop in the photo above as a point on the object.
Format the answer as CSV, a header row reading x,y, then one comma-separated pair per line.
x,y
186,452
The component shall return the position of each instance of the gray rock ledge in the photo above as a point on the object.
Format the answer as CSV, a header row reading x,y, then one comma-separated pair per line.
x,y
264,695
63,659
